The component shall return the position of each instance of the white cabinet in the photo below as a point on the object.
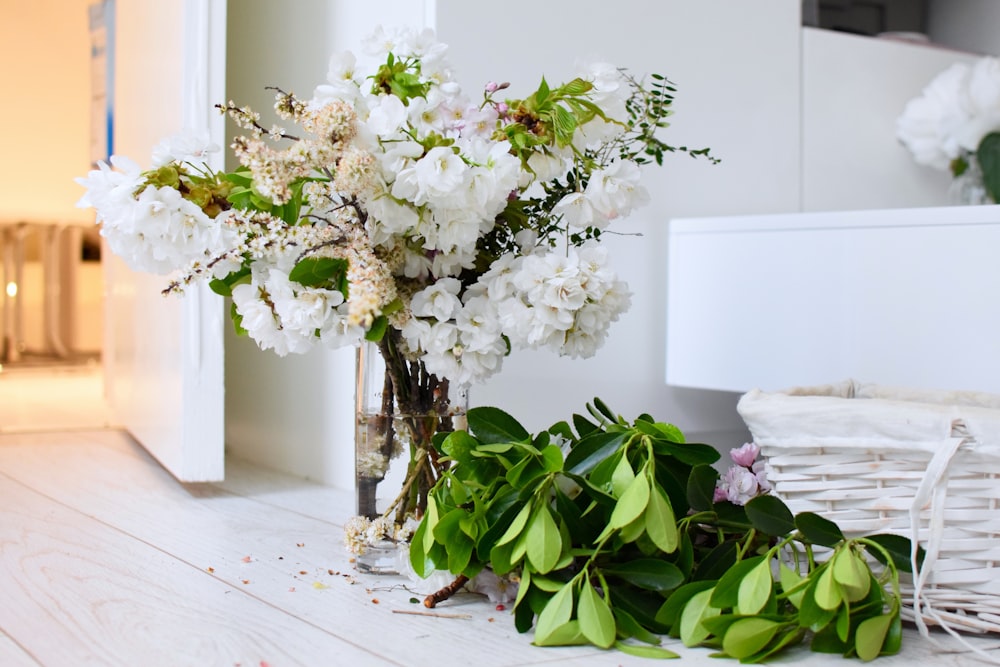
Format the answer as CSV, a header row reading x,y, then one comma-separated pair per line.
x,y
899,297
853,90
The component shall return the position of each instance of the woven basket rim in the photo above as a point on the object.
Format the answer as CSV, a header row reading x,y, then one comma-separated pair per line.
x,y
895,418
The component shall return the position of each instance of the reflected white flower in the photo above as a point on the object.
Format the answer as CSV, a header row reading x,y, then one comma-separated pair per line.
x,y
189,146
500,590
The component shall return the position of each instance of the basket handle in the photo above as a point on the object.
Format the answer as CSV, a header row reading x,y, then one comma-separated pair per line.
x,y
933,490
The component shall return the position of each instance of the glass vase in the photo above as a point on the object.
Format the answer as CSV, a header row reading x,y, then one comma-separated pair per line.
x,y
968,189
400,407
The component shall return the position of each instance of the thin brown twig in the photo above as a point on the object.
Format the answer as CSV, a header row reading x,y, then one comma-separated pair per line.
x,y
435,598
434,614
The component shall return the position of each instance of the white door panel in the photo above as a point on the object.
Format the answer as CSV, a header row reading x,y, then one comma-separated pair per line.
x,y
164,356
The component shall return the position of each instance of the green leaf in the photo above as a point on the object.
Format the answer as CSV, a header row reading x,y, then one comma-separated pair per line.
x,y
519,548
684,556
818,530
430,520
224,286
717,561
826,641
988,156
828,594
629,627
526,471
237,320
769,515
718,625
579,529
422,565
871,636
502,511
544,547
567,634
600,476
650,573
790,635
755,589
727,591
524,614
851,572
701,487
552,458
459,552
894,638
575,87
674,434
622,477
447,527
546,584
378,328
584,426
591,450
633,531
493,425
669,612
690,453
692,632
516,526
899,549
318,271
661,526
749,635
642,605
843,622
557,611
501,558
631,504
791,584
596,620
654,652
811,615
604,410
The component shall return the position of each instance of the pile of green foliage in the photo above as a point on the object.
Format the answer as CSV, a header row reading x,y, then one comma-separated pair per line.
x,y
613,532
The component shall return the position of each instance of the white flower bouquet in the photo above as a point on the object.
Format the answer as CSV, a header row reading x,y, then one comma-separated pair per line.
x,y
446,229
954,124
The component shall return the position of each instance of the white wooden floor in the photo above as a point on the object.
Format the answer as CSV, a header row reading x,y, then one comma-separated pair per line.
x,y
106,560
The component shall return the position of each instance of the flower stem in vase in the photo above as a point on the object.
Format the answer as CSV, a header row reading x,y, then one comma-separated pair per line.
x,y
400,407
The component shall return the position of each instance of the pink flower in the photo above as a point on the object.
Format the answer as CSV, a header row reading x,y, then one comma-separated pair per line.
x,y
744,480
761,475
720,494
740,485
745,455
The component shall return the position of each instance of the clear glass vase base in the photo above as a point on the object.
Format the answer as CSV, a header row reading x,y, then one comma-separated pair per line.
x,y
381,559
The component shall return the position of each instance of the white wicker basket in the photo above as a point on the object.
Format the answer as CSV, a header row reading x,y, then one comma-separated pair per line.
x,y
880,459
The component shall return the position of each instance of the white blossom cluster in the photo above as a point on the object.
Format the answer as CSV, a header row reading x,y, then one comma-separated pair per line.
x,y
953,113
154,229
561,302
360,532
403,185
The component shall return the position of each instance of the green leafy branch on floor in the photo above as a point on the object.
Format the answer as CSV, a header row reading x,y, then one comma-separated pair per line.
x,y
614,534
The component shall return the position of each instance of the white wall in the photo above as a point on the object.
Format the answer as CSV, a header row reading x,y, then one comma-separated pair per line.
x,y
736,67
294,413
